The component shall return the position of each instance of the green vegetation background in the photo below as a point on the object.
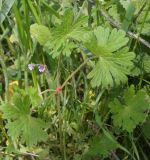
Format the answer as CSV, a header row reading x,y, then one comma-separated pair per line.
x,y
74,79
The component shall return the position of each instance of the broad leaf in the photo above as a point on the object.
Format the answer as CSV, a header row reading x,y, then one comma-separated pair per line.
x,y
30,129
21,123
101,146
131,111
114,61
71,27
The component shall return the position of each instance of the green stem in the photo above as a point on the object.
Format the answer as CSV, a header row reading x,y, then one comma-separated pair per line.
x,y
146,81
34,77
97,12
69,77
64,143
89,14
26,78
140,31
141,79
73,73
4,68
64,136
60,123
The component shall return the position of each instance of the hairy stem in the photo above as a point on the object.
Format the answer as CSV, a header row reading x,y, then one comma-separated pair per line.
x,y
74,72
59,110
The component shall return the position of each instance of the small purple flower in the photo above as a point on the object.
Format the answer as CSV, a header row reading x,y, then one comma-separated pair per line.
x,y
31,66
41,67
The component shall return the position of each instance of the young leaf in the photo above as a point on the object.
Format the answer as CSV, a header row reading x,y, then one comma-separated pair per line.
x,y
146,63
40,33
113,12
141,64
34,96
138,4
131,112
125,3
21,123
129,15
114,61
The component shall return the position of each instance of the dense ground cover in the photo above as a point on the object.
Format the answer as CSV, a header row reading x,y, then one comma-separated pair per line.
x,y
75,79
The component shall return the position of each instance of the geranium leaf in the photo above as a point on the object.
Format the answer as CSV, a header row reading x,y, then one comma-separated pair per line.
x,y
71,27
129,113
21,123
101,146
115,61
60,36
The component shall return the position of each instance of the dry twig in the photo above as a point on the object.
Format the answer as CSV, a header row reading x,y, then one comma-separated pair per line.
x,y
118,25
